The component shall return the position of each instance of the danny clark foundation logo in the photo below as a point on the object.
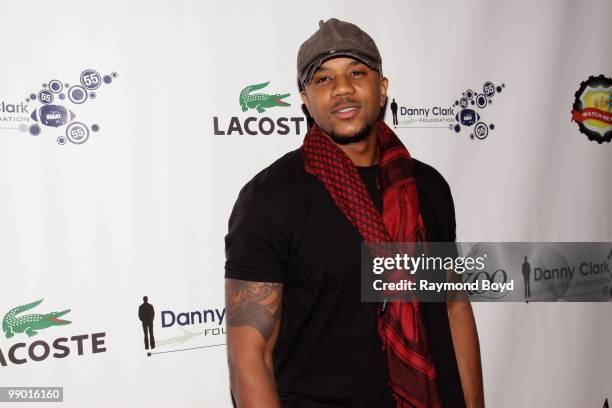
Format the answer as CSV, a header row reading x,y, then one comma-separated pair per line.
x,y
180,330
52,109
261,106
549,276
21,328
465,115
592,109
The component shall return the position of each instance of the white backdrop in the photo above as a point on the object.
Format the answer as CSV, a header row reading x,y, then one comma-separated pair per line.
x,y
141,207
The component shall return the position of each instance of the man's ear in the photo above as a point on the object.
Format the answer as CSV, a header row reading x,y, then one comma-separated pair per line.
x,y
305,99
384,85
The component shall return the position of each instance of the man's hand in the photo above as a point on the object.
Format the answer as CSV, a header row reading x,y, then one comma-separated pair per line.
x,y
253,321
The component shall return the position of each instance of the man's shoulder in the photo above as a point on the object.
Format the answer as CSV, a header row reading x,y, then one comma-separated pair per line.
x,y
272,200
427,177
436,198
287,171
281,186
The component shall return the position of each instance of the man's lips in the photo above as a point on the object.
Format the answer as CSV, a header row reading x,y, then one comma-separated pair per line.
x,y
346,111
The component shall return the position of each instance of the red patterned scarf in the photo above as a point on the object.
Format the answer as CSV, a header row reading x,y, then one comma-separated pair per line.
x,y
411,370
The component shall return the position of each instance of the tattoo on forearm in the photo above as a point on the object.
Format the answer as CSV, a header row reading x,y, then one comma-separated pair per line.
x,y
254,304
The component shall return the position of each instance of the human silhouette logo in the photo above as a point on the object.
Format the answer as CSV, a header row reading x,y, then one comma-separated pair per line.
x,y
526,275
394,112
146,314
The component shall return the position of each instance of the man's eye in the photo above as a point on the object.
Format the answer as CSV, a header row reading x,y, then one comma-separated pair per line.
x,y
357,73
322,79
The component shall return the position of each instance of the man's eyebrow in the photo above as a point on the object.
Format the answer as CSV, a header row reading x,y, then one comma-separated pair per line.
x,y
352,63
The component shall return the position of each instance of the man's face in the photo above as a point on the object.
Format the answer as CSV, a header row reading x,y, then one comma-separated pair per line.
x,y
344,97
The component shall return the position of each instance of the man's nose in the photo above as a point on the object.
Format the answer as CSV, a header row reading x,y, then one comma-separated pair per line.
x,y
342,86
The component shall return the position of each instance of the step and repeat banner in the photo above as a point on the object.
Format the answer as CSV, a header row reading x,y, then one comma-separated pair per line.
x,y
127,133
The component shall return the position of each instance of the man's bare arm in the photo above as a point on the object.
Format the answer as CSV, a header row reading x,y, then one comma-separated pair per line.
x,y
467,350
253,321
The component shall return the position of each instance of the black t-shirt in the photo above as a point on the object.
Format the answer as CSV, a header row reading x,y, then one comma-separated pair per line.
x,y
286,228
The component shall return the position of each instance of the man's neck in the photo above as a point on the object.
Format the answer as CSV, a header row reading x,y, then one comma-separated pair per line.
x,y
363,153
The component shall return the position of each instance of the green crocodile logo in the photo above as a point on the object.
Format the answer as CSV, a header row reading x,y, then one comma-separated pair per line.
x,y
29,323
260,101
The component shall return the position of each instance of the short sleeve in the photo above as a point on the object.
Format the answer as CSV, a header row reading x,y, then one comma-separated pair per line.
x,y
256,249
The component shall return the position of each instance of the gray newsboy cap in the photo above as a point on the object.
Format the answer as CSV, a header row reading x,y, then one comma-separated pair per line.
x,y
336,38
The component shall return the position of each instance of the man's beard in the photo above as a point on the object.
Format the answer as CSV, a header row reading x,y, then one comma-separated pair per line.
x,y
362,134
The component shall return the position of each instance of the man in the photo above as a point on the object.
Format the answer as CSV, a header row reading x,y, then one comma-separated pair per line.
x,y
298,334
394,112
146,314
526,275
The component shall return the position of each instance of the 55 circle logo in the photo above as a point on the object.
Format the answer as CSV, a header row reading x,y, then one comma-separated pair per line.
x,y
470,105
